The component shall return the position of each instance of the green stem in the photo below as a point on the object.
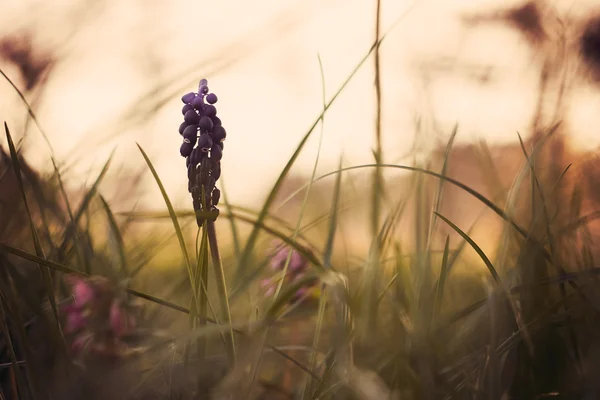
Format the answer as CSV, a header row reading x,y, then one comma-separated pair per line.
x,y
221,286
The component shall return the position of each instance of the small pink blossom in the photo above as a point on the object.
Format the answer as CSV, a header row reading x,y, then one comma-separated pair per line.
x,y
79,343
76,320
120,322
98,318
82,291
297,262
268,286
301,293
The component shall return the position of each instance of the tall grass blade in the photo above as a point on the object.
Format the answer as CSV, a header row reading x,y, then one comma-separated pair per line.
x,y
82,210
22,384
118,238
45,272
175,221
440,188
443,277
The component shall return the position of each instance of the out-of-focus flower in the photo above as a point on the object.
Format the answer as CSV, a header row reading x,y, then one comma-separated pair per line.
x,y
98,319
75,318
120,322
268,286
297,265
296,270
82,290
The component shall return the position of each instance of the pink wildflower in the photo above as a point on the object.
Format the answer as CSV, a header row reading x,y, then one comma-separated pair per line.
x,y
269,287
76,320
120,322
82,290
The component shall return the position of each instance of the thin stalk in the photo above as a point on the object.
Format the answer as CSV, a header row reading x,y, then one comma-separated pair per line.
x,y
221,285
372,277
377,182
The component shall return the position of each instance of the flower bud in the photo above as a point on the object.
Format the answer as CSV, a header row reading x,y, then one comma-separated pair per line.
x,y
216,153
198,103
210,110
197,156
191,117
211,98
186,149
188,97
187,107
218,134
216,171
190,131
205,142
205,124
216,195
182,127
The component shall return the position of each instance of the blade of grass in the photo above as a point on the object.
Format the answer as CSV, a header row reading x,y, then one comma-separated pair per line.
x,y
372,273
440,189
83,208
327,257
22,383
176,225
116,231
29,110
63,193
45,272
442,281
475,247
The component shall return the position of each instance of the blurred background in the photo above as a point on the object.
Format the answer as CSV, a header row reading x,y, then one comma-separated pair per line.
x,y
105,74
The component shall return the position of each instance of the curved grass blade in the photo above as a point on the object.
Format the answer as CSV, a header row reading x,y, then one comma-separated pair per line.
x,y
475,247
29,110
176,225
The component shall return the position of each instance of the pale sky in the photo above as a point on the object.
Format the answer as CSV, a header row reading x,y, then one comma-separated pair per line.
x,y
260,58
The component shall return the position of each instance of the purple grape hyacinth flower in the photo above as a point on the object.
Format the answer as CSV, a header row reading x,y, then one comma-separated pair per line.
x,y
202,147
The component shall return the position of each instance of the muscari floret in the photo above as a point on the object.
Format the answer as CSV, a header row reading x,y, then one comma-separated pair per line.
x,y
188,97
211,98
